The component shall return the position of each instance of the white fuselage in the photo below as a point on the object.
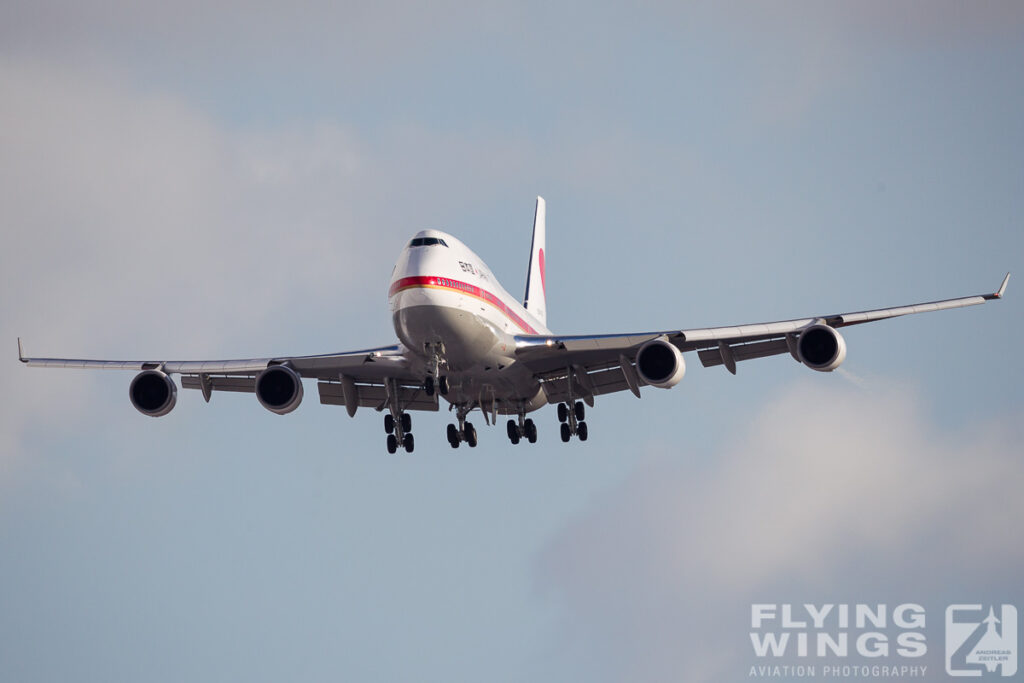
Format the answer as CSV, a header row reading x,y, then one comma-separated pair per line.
x,y
444,298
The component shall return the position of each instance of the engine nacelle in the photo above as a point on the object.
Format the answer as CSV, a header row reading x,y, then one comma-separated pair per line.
x,y
153,393
660,364
821,348
279,389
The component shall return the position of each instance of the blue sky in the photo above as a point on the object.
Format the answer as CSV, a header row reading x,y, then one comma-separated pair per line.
x,y
237,181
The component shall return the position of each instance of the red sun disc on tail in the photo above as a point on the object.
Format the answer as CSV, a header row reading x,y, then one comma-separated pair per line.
x,y
540,258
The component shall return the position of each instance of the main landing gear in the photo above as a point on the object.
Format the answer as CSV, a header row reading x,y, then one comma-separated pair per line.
x,y
524,428
572,421
399,432
465,431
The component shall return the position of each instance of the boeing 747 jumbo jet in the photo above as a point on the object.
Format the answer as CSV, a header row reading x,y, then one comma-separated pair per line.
x,y
462,337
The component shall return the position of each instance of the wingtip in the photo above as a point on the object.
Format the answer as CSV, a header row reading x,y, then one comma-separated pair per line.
x,y
1002,287
21,352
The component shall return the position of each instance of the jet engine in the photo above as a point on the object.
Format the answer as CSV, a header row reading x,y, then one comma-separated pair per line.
x,y
153,393
821,348
660,364
279,389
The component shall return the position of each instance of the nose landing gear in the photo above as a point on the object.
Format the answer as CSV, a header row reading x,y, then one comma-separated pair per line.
x,y
441,385
434,365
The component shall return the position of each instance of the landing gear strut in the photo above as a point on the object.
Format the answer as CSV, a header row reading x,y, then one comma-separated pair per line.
x,y
465,431
397,422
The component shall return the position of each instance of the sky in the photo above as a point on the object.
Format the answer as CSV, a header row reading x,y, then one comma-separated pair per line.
x,y
196,181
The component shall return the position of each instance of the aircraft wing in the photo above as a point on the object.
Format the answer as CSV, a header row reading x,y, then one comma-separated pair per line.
x,y
369,369
590,365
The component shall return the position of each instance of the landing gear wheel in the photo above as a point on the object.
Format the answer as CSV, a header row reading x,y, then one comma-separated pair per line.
x,y
453,436
566,435
428,386
442,385
514,438
392,443
579,410
408,443
531,431
563,412
389,423
512,429
406,422
581,431
471,435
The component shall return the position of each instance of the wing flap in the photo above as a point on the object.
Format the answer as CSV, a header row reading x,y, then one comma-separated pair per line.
x,y
375,396
331,393
236,383
601,381
740,352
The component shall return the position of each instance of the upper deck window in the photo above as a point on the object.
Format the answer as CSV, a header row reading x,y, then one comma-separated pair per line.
x,y
427,242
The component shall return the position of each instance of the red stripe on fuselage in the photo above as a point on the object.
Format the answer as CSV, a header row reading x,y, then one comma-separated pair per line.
x,y
432,282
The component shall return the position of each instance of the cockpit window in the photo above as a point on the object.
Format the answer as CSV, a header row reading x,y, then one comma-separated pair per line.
x,y
427,242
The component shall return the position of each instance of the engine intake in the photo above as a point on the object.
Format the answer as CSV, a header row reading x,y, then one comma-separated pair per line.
x,y
660,364
279,389
821,348
153,393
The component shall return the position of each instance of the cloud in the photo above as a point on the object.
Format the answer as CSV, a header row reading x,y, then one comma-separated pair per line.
x,y
829,494
132,201
135,224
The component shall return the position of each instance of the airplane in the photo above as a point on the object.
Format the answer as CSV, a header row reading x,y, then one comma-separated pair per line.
x,y
462,337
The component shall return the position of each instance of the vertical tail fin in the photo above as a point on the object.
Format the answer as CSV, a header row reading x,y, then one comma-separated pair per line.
x,y
535,299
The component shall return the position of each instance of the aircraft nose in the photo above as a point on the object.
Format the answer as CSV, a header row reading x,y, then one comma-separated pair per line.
x,y
425,261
